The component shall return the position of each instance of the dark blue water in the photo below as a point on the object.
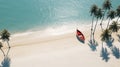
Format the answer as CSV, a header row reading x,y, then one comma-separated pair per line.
x,y
23,15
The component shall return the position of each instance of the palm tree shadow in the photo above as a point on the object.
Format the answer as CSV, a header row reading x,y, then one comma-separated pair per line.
x,y
93,45
80,40
116,52
105,54
6,61
109,42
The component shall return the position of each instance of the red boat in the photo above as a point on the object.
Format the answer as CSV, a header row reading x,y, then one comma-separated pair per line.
x,y
80,36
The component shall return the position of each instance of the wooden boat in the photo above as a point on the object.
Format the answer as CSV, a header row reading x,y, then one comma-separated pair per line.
x,y
80,36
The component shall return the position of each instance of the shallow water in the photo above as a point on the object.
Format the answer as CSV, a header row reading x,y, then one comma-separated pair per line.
x,y
24,15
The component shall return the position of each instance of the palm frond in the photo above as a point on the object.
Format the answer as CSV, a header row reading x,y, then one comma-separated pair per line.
x,y
107,5
114,27
5,35
106,35
111,14
93,9
118,11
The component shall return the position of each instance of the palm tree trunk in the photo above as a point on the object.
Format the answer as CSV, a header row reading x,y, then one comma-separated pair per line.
x,y
91,28
101,49
108,24
102,20
95,28
2,52
8,44
118,19
102,43
8,52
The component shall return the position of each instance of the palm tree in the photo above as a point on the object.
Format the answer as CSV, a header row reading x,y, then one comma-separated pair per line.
x,y
111,15
114,27
106,35
106,6
118,12
93,11
5,36
98,15
1,48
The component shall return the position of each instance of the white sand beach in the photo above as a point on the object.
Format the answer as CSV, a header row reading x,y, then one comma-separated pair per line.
x,y
42,33
64,50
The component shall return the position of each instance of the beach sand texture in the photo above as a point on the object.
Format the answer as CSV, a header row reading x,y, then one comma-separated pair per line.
x,y
32,50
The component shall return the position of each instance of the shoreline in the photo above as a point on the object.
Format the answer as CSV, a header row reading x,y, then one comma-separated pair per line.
x,y
62,50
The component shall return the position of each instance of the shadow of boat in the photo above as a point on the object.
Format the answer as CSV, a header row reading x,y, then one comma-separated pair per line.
x,y
82,41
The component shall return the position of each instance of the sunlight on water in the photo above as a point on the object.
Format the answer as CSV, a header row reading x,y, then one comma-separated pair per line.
x,y
24,15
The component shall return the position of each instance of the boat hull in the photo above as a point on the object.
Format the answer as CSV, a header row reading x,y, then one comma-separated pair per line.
x,y
80,36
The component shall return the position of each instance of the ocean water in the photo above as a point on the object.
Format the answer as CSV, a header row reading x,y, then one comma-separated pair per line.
x,y
24,15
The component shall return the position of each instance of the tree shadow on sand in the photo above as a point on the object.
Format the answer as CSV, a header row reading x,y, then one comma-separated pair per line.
x,y
93,45
116,52
105,54
6,61
109,42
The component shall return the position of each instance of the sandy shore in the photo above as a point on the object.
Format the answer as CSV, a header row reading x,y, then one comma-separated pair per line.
x,y
33,50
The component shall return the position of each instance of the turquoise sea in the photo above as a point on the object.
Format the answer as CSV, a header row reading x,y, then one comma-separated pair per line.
x,y
23,15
